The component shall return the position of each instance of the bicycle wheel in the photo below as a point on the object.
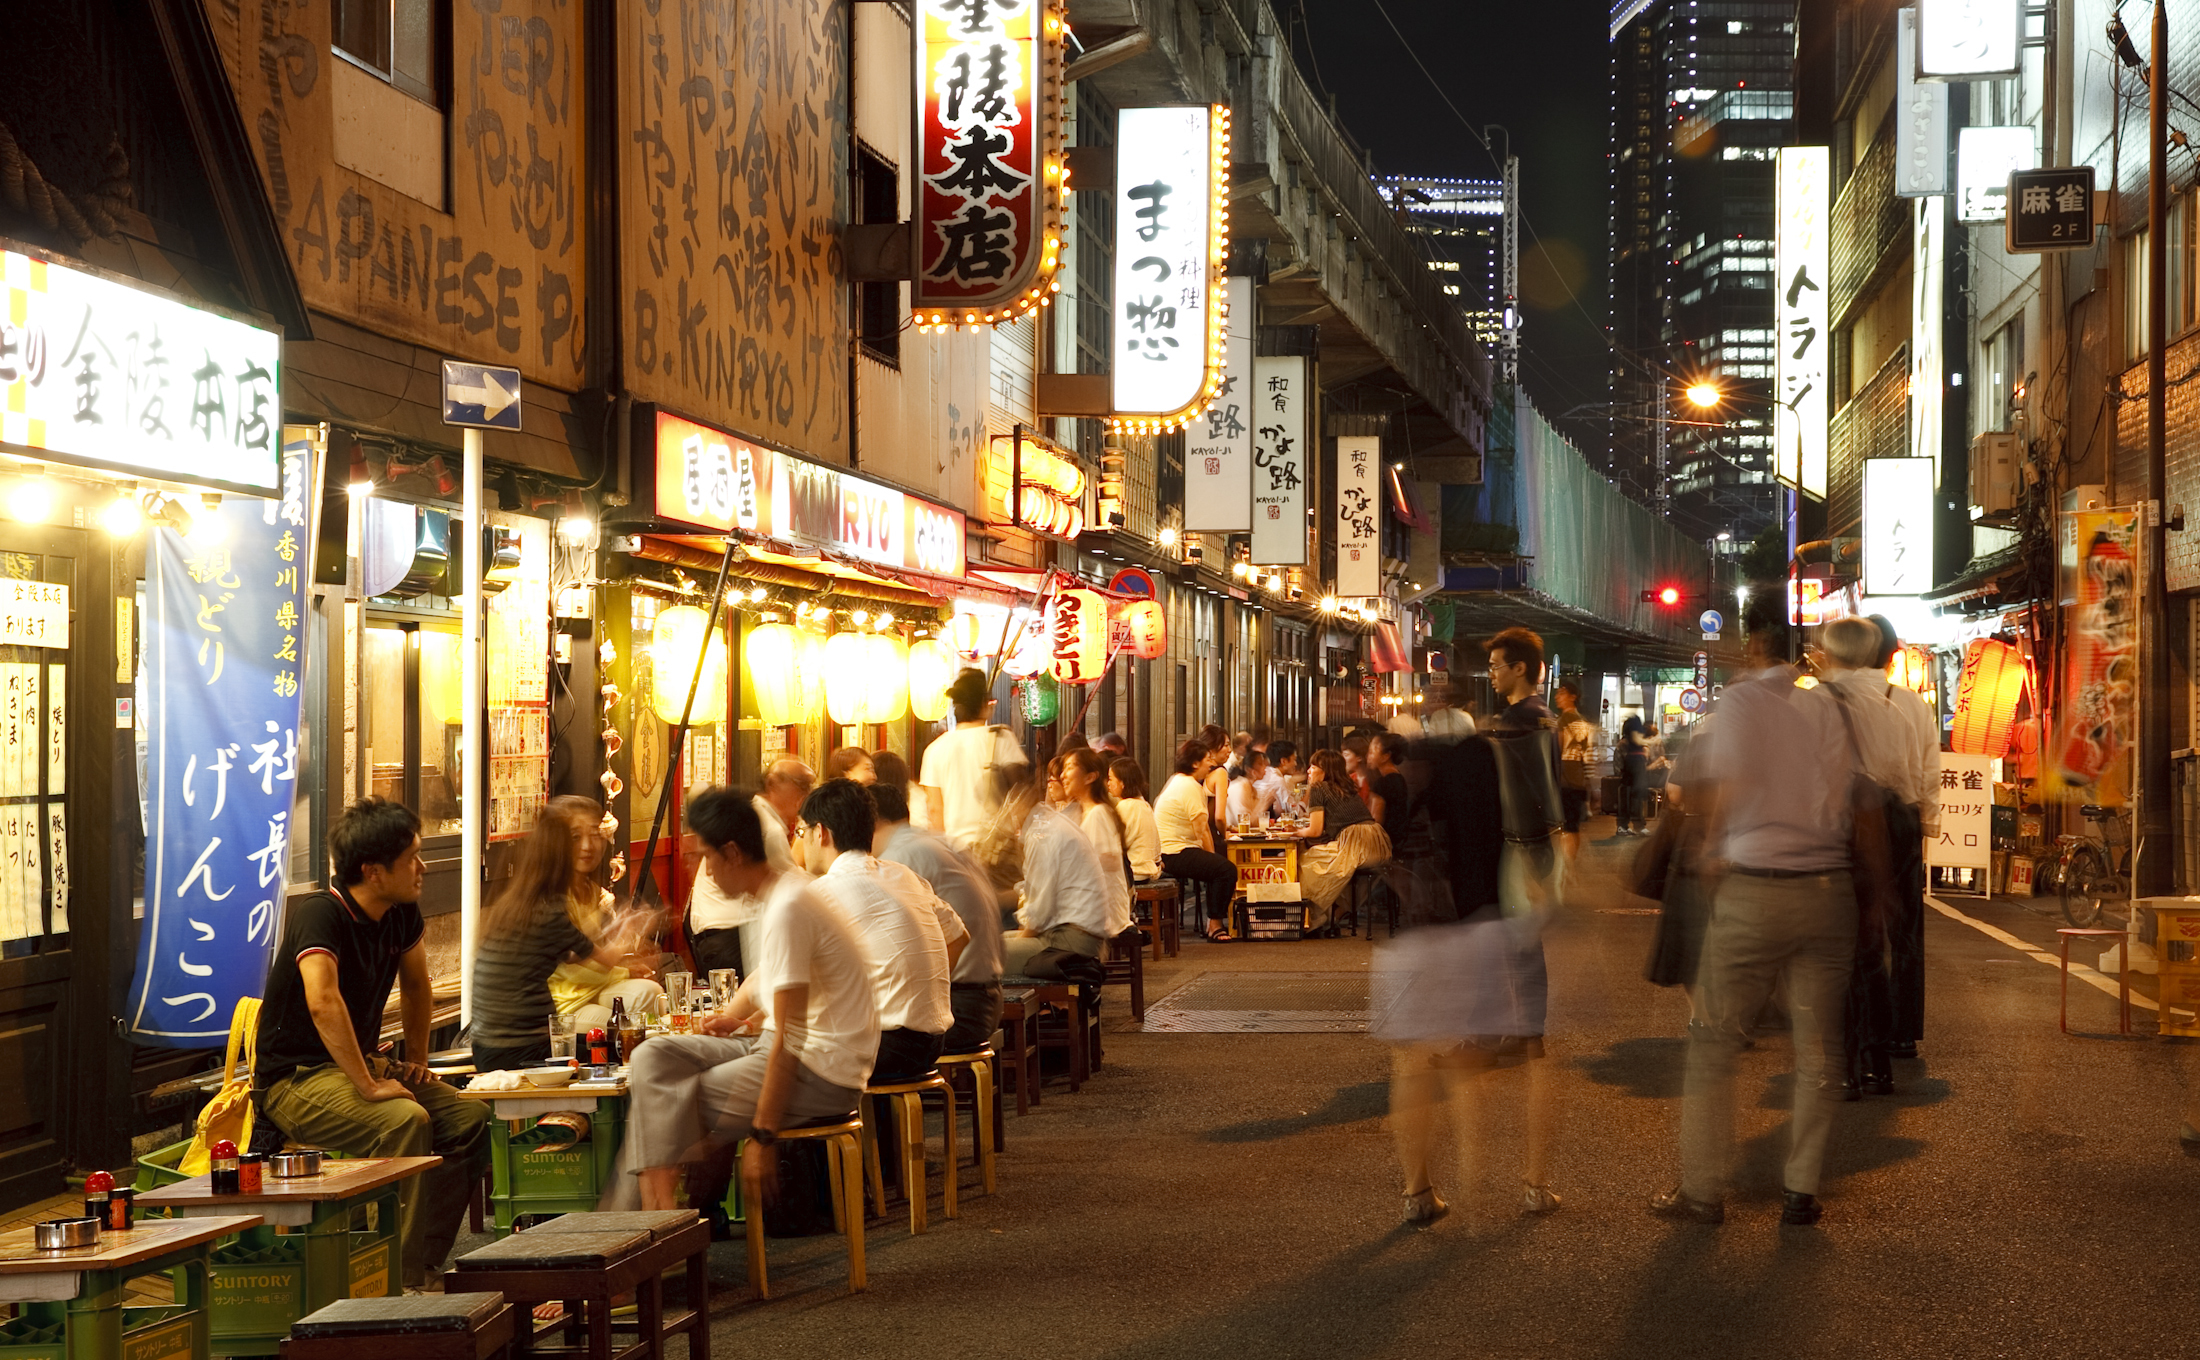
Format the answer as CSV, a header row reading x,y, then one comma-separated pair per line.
x,y
2086,880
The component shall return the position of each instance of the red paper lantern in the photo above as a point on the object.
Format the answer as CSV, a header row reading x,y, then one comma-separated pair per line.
x,y
1986,698
1147,625
1080,636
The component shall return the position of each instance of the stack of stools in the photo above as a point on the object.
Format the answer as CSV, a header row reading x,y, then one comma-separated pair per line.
x,y
586,1262
421,1326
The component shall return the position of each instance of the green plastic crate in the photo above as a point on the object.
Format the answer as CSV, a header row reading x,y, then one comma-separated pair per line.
x,y
257,1286
41,1333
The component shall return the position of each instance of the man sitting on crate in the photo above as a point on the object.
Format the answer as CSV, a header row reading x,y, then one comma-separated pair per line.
x,y
322,1019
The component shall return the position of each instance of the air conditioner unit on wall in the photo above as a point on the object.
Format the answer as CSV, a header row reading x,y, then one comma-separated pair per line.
x,y
1996,479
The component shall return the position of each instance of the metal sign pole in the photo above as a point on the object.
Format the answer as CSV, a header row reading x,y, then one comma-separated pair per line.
x,y
473,803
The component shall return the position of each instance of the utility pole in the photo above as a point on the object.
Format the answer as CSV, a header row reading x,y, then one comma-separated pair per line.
x,y
1511,349
2153,874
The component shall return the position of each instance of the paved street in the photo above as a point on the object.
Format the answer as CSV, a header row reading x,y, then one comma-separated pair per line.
x,y
1236,1195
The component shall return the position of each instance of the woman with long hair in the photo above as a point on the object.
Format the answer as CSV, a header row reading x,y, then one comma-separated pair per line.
x,y
533,926
1085,780
1141,833
1344,836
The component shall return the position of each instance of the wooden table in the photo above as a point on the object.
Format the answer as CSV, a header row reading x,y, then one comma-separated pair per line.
x,y
564,1179
82,1289
253,1303
1262,855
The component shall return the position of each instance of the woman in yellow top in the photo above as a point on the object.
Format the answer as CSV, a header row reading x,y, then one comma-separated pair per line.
x,y
584,988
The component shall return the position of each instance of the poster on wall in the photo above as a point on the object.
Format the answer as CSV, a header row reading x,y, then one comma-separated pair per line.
x,y
1359,516
2089,758
1281,404
518,690
1218,446
1966,839
224,670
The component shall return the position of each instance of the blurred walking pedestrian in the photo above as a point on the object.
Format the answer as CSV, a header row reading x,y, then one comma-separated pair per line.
x,y
1577,744
1634,776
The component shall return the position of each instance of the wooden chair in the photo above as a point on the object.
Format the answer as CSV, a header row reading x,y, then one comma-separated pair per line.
x,y
1019,1041
906,1098
1157,904
1124,959
589,1266
844,1167
1077,1031
421,1326
985,1108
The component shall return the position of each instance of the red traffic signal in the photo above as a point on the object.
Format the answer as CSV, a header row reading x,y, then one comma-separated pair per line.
x,y
1665,597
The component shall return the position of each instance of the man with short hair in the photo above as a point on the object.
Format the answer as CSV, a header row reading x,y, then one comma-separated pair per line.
x,y
1114,745
714,921
961,788
319,1077
1188,838
1283,779
974,990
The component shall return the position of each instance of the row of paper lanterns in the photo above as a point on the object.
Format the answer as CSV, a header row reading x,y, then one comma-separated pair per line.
x,y
850,677
1072,643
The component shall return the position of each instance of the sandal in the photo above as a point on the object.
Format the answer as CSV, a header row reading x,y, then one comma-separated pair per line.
x,y
1218,935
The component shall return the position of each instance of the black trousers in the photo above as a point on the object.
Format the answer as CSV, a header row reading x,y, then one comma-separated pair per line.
x,y
490,1058
905,1055
1205,866
977,1007
717,949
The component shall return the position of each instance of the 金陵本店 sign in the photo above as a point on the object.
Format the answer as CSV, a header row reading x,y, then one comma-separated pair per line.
x,y
1172,186
1969,39
1218,445
1802,313
106,374
1359,515
1966,839
1280,463
34,614
1921,119
988,201
709,478
2050,209
1898,526
1985,159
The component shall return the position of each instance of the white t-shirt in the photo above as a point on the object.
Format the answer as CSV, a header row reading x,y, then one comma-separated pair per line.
x,y
709,908
1063,883
902,938
1107,848
957,764
1179,813
1141,836
1250,800
802,941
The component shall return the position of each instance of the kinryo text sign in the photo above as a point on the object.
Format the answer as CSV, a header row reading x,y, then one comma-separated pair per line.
x,y
988,81
709,478
102,373
1898,526
1985,158
1928,368
1921,119
1969,39
1359,516
1171,228
1218,444
1282,403
1799,299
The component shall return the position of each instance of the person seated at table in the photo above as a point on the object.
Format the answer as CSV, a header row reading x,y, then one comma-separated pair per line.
x,y
1141,834
1286,797
718,926
1188,838
1342,835
318,1077
910,938
529,929
794,1045
1063,914
1250,798
892,769
851,762
974,987
1084,776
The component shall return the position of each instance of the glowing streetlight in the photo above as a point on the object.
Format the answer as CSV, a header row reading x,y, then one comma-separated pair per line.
x,y
1704,394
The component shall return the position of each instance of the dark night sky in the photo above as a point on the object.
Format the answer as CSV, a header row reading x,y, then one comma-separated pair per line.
x,y
1538,67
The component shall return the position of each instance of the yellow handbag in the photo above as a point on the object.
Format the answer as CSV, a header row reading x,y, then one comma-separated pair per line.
x,y
229,1113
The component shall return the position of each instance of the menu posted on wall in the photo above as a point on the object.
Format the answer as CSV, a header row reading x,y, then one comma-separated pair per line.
x,y
518,694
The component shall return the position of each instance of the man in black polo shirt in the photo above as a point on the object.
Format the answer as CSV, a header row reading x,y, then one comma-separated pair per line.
x,y
319,1077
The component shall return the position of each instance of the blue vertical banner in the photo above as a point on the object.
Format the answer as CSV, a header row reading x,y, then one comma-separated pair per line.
x,y
224,642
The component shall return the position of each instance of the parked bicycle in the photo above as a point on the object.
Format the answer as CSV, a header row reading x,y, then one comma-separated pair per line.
x,y
2094,870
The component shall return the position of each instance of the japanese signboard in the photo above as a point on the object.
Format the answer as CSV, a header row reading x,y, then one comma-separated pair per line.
x,y
1171,197
988,194
1985,159
1359,516
1928,376
1218,446
710,478
106,374
1921,112
518,690
1281,466
2098,571
1898,526
1966,839
2050,209
224,634
1968,39
34,614
1799,281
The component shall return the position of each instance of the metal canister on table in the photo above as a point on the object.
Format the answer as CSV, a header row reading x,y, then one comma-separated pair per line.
x,y
122,1208
251,1172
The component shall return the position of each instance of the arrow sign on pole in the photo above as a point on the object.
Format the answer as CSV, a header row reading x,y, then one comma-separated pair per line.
x,y
478,395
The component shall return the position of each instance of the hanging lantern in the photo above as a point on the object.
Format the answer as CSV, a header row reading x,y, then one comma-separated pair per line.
x,y
677,649
809,675
1080,636
886,678
1911,667
931,670
1986,698
769,653
846,691
1031,648
1147,625
1042,700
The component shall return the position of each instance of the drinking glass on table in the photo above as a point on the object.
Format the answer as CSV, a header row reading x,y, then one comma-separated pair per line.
x,y
677,986
561,1037
724,982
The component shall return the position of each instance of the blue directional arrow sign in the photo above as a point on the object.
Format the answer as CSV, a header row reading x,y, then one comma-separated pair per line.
x,y
478,395
1711,622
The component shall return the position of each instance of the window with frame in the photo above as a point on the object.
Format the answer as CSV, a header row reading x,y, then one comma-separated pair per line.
x,y
411,716
879,304
399,40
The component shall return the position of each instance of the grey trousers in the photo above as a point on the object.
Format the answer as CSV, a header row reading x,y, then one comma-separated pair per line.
x,y
1761,930
691,1092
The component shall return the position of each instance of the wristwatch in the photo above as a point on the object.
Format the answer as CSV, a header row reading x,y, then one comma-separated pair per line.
x,y
763,1137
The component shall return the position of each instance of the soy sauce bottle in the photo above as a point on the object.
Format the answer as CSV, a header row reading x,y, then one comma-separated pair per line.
x,y
99,1187
226,1179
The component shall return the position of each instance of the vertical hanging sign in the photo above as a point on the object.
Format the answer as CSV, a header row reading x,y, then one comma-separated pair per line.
x,y
1280,464
1218,446
224,642
1172,195
988,220
1921,118
1898,526
1927,369
1799,264
1359,516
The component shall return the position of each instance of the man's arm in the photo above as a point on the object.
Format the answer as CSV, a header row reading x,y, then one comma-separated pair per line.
x,y
325,1001
416,1005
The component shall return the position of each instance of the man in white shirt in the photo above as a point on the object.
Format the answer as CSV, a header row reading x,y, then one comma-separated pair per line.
x,y
1188,838
1285,780
794,1045
962,768
714,921
1065,899
1252,794
910,937
974,990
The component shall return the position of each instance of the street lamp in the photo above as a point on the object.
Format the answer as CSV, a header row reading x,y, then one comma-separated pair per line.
x,y
1704,395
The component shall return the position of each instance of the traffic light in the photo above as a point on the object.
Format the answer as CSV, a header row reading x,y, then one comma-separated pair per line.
x,y
1665,597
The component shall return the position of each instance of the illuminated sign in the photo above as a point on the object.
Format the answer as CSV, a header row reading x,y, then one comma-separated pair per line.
x,y
105,374
1799,263
709,478
1969,39
1985,159
989,187
1218,446
1281,402
1898,526
1046,484
1359,516
1172,200
1929,249
1921,119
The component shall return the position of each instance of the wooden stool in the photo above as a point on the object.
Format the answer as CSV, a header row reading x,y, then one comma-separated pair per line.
x,y
421,1326
844,1165
587,1270
1159,900
985,1107
2123,974
907,1101
1020,1041
1080,1036
1123,959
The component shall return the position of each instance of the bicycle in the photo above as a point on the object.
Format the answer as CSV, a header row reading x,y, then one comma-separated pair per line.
x,y
2094,871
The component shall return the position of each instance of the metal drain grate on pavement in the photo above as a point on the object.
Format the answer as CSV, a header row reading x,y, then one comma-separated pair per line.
x,y
1270,1003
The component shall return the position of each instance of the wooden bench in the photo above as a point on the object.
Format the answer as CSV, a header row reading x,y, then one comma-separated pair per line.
x,y
420,1326
587,1261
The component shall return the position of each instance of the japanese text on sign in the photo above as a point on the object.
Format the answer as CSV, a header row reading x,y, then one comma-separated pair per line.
x,y
1966,813
34,614
1164,234
1280,461
1801,336
1218,445
1359,510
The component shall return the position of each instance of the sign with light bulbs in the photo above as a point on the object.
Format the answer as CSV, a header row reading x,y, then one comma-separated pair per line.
x,y
1172,201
